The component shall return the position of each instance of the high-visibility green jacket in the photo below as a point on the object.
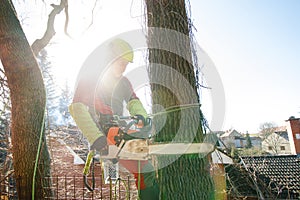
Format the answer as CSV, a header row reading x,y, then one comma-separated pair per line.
x,y
104,98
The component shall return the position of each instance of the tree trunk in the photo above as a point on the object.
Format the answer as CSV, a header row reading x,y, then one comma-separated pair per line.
x,y
173,86
28,104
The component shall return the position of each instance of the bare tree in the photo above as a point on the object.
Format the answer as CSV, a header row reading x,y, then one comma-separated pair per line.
x,y
266,129
274,137
64,101
275,142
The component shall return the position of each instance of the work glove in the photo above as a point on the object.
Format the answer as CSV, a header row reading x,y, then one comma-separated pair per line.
x,y
144,127
135,107
140,120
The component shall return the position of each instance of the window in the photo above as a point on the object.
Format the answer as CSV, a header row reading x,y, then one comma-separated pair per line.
x,y
270,148
282,148
298,136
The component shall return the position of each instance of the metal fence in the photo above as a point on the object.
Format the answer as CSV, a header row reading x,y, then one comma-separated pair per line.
x,y
74,188
8,187
65,187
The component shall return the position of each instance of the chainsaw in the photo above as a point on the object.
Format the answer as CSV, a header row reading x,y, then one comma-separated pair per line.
x,y
130,138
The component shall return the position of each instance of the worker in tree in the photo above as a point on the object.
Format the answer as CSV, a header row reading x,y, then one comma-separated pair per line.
x,y
100,93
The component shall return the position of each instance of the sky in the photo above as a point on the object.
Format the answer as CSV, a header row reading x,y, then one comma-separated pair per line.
x,y
254,45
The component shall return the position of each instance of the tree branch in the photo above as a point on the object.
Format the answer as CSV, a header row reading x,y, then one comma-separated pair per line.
x,y
39,44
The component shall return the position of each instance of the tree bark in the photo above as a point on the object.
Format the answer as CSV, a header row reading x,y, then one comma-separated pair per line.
x,y
28,104
186,176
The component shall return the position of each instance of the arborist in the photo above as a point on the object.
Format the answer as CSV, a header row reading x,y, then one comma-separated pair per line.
x,y
100,93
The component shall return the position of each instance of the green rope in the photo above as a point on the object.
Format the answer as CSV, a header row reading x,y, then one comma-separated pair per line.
x,y
176,108
88,162
126,188
139,178
37,155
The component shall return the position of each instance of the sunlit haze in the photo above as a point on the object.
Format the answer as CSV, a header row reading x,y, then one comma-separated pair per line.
x,y
255,46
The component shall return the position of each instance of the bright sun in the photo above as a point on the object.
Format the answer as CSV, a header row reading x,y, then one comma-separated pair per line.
x,y
67,56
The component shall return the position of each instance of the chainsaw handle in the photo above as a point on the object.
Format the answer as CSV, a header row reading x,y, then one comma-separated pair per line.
x,y
127,127
138,118
147,122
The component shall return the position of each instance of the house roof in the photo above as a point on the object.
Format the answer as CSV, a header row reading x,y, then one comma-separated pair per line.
x,y
281,129
255,138
232,133
218,157
283,134
280,175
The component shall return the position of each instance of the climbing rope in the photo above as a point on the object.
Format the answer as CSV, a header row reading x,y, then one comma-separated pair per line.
x,y
37,155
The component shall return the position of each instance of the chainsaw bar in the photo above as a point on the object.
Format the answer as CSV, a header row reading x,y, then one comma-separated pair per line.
x,y
139,149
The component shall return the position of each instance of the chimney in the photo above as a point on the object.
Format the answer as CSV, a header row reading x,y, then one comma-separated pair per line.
x,y
293,129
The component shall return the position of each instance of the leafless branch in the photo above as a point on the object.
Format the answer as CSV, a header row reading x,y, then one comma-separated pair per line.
x,y
67,18
39,44
93,10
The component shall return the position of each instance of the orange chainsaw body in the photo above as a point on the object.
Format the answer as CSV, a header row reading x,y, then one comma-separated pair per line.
x,y
113,132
